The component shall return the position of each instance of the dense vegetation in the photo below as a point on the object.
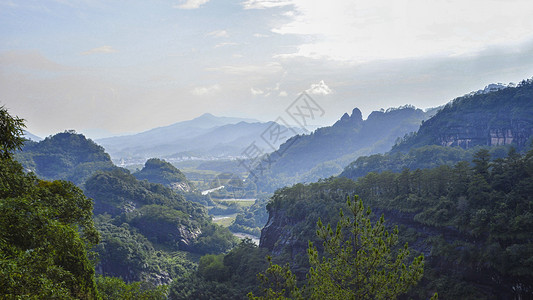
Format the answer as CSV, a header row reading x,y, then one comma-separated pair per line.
x,y
424,157
46,230
252,219
66,156
47,235
482,217
229,276
159,171
487,119
359,262
150,232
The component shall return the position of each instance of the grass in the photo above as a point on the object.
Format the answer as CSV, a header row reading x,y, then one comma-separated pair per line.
x,y
225,222
242,204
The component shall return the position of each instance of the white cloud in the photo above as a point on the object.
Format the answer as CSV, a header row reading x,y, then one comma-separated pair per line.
x,y
260,35
103,49
205,90
264,69
219,33
256,92
283,94
361,31
191,4
319,89
225,44
263,4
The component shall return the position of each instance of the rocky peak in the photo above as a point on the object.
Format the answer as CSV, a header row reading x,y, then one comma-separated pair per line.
x,y
354,120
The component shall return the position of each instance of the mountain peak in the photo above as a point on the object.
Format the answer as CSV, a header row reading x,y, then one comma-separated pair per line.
x,y
355,118
356,113
206,115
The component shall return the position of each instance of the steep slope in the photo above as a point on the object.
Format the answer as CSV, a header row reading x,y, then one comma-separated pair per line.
x,y
502,116
326,151
68,156
498,117
473,224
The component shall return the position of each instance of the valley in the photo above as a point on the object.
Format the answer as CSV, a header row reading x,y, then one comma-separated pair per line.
x,y
459,193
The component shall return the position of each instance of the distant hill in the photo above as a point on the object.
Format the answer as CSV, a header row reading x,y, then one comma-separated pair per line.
x,y
324,153
67,155
498,115
160,171
30,136
205,136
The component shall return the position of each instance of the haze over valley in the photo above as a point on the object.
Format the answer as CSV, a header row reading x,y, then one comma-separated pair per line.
x,y
266,149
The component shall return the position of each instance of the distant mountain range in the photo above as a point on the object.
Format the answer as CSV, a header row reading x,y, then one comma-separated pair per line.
x,y
30,136
207,136
325,152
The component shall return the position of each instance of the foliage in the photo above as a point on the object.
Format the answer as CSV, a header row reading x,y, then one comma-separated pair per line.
x,y
484,211
425,157
359,262
228,276
159,171
46,232
277,283
117,191
473,120
67,156
113,288
149,232
11,133
252,219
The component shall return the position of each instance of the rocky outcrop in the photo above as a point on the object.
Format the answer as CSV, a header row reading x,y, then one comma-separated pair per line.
x,y
483,134
277,233
493,118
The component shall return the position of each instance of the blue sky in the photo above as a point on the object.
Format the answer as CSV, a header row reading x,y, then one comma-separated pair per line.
x,y
109,67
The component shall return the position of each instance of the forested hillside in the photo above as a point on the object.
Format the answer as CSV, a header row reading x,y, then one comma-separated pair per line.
x,y
67,156
472,222
502,117
148,232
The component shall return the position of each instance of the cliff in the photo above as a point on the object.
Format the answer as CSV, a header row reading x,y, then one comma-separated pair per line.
x,y
497,117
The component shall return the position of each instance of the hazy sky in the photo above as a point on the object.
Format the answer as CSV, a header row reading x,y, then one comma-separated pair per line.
x,y
109,67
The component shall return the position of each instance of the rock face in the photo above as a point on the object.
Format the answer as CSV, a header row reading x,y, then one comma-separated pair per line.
x,y
276,235
502,116
478,131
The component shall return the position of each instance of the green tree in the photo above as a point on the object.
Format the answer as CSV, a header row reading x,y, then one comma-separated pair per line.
x,y
277,283
114,288
11,133
46,231
360,261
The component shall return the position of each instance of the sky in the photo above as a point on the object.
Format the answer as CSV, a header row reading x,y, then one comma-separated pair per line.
x,y
106,67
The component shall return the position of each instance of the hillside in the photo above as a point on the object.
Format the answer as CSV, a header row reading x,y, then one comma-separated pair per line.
x,y
141,217
67,155
323,153
160,171
496,117
473,223
148,231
